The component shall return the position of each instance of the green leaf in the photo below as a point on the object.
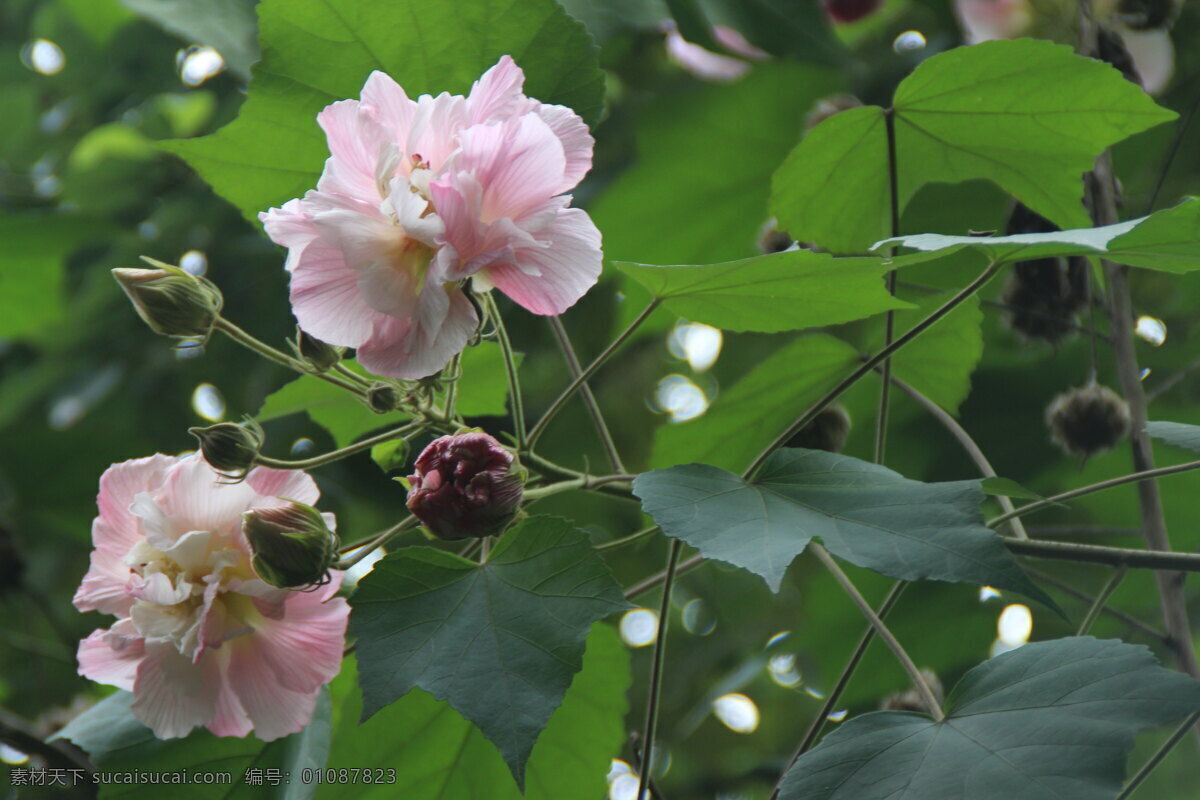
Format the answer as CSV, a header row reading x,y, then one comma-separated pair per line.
x,y
864,513
482,392
940,361
1176,434
1005,487
833,187
226,25
116,741
1047,721
31,269
778,292
1028,115
500,642
437,755
693,25
746,417
1167,240
316,52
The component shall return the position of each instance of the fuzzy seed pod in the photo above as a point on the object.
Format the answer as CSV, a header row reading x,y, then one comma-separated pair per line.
x,y
911,700
773,240
827,432
1044,294
1088,420
229,447
293,547
1110,48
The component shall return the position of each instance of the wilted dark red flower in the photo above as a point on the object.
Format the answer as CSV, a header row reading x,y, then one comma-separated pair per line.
x,y
465,486
850,10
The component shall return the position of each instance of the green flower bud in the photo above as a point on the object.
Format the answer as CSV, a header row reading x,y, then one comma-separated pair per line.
x,y
293,547
172,302
382,397
229,447
319,355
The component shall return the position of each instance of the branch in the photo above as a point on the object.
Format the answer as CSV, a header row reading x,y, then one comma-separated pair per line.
x,y
656,669
585,392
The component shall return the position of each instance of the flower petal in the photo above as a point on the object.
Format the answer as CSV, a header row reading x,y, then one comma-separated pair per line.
x,y
577,143
520,163
415,348
497,93
171,694
112,656
304,647
275,710
197,500
356,144
292,484
550,279
384,100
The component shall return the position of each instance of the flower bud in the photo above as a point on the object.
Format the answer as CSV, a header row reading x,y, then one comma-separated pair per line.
x,y
292,545
465,486
320,356
912,700
828,431
382,397
171,301
1088,420
230,448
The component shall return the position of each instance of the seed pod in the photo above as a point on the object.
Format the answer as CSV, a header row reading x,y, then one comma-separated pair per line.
x,y
1088,420
828,431
773,240
171,301
465,486
1044,294
229,447
293,547
1110,48
912,700
1147,15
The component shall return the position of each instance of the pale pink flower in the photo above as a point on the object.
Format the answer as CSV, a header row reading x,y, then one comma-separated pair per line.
x,y
417,196
706,65
200,639
986,20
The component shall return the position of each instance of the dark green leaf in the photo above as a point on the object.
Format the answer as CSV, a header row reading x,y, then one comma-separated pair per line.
x,y
1167,240
747,416
438,755
117,742
1029,115
940,361
316,52
1005,487
1047,721
864,513
778,292
499,642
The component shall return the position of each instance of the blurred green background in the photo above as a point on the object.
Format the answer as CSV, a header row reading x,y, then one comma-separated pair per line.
x,y
682,175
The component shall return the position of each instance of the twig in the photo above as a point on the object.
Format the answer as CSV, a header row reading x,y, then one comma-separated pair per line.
x,y
1068,589
585,392
889,325
814,729
591,368
870,364
968,444
1161,560
374,543
1159,755
1098,604
881,630
348,450
510,369
1142,478
656,669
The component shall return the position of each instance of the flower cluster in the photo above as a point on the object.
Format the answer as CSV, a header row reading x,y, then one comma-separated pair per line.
x,y
200,638
419,195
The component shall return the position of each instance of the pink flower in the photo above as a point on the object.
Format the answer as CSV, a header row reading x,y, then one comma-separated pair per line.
x,y
706,65
200,639
417,196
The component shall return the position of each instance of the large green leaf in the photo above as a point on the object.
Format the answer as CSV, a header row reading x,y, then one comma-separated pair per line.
x,y
746,417
31,269
1048,721
482,392
226,25
778,292
500,642
1167,240
864,513
437,755
117,742
1029,115
315,52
